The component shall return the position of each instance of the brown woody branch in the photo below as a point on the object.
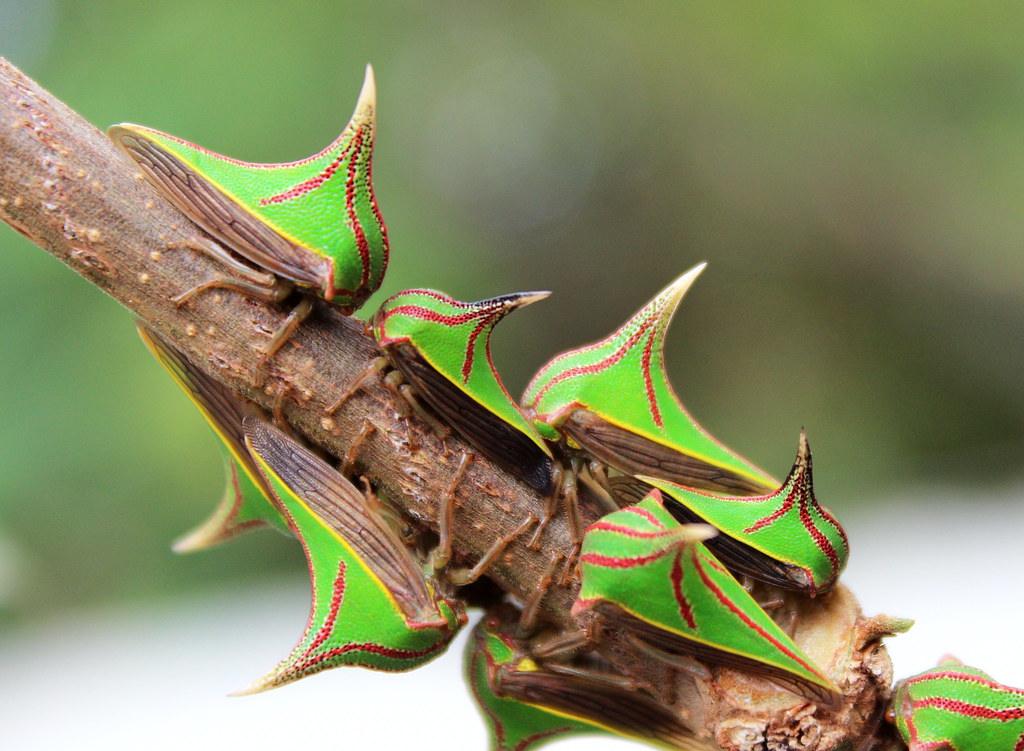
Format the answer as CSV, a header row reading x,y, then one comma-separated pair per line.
x,y
65,187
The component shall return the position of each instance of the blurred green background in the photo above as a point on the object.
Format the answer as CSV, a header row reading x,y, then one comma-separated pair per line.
x,y
853,173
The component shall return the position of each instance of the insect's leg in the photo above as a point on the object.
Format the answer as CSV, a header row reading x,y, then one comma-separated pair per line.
x,y
284,332
570,501
393,382
275,292
223,256
462,577
283,389
561,646
593,475
393,518
569,570
348,464
407,394
528,618
550,505
446,512
374,369
299,314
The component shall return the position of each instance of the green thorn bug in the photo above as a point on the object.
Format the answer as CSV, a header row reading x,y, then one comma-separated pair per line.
x,y
784,538
372,604
314,223
613,398
442,346
527,704
246,503
644,571
954,707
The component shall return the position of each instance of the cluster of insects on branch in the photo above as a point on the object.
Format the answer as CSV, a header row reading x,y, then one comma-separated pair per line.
x,y
687,532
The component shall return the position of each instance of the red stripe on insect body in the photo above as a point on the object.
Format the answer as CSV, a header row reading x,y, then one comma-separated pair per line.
x,y
439,296
486,313
823,543
369,647
652,399
800,496
431,316
337,597
747,620
966,709
311,184
467,363
647,514
834,523
775,515
620,529
381,226
677,589
611,561
350,207
352,151
917,745
598,366
956,675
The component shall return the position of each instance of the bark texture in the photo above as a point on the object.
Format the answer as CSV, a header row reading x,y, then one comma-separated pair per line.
x,y
65,187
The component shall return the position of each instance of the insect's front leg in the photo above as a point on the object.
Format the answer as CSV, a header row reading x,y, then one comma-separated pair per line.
x,y
442,554
217,252
377,366
564,488
284,332
528,616
462,577
246,280
570,502
348,463
594,475
407,403
561,646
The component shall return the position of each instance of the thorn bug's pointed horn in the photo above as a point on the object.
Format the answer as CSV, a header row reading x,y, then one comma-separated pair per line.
x,y
803,449
801,474
687,534
258,686
200,538
691,533
514,300
365,111
669,298
522,299
802,463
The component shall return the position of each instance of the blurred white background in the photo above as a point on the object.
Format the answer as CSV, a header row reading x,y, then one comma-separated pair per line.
x,y
157,677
